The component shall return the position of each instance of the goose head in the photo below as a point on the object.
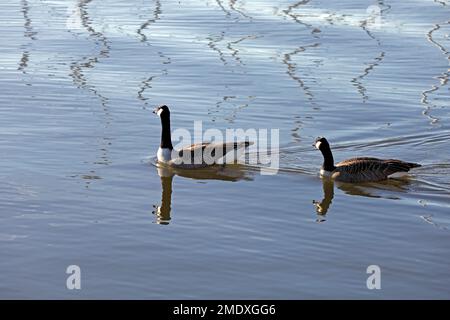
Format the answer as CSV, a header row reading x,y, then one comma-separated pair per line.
x,y
162,111
321,143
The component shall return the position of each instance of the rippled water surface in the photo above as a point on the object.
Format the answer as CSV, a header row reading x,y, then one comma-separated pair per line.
x,y
79,80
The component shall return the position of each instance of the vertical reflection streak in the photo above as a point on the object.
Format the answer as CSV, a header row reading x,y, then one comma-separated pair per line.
x,y
227,12
212,44
232,5
28,33
287,57
78,69
443,77
292,70
358,80
146,83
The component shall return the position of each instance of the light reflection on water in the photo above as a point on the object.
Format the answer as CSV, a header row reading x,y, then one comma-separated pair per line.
x,y
80,77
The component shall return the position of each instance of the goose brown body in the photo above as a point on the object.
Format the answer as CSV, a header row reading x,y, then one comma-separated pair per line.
x,y
370,169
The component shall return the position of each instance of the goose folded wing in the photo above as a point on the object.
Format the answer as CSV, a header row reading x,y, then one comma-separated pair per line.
x,y
373,168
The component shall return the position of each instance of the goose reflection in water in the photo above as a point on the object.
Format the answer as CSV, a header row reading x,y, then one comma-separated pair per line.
x,y
386,189
230,172
328,194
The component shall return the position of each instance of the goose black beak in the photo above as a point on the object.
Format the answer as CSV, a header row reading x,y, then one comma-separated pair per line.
x,y
155,110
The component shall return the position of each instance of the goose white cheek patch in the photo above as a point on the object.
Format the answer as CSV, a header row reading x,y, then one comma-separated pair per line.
x,y
318,143
159,112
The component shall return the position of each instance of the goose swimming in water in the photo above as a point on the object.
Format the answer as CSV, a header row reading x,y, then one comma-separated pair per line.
x,y
362,169
197,155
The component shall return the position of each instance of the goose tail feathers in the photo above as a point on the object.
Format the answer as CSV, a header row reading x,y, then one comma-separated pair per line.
x,y
398,165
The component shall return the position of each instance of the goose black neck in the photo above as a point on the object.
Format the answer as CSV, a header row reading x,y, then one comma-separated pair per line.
x,y
328,161
166,139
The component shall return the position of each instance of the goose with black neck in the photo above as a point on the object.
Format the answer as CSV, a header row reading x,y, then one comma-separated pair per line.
x,y
361,169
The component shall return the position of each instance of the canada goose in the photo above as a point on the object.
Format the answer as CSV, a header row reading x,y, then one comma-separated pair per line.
x,y
362,169
194,156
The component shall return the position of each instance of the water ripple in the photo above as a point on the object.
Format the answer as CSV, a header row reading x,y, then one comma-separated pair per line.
x,y
357,81
365,24
292,69
232,4
155,16
146,83
235,52
28,33
295,17
287,57
212,43
78,70
222,7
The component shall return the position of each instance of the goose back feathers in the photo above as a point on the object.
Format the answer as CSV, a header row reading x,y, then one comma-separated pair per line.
x,y
370,169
